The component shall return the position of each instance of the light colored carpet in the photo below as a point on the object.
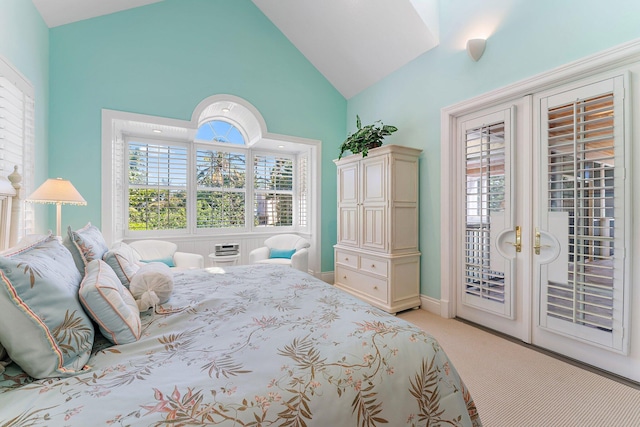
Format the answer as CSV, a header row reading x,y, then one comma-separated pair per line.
x,y
514,386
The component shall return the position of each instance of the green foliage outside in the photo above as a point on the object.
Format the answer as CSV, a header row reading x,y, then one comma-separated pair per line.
x,y
221,194
157,209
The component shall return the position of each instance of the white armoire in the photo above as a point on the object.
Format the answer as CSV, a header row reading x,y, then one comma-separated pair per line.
x,y
376,256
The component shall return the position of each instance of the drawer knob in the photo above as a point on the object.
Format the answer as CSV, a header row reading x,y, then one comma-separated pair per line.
x,y
344,277
375,288
373,266
346,259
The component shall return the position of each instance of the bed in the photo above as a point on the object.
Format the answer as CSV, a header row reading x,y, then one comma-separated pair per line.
x,y
255,345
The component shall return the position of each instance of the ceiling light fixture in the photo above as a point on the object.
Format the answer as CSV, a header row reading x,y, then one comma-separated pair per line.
x,y
475,48
157,131
225,110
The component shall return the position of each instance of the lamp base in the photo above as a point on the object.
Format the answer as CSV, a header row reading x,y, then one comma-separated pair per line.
x,y
58,219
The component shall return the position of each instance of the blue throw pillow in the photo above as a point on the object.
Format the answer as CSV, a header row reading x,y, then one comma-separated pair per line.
x,y
43,326
89,244
168,261
281,253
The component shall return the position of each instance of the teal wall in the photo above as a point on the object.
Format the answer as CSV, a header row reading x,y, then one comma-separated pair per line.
x,y
162,60
525,38
24,42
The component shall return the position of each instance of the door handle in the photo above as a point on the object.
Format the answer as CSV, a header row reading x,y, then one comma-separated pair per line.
x,y
518,243
536,242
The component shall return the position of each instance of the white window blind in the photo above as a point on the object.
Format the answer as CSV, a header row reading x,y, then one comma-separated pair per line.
x,y
303,191
157,186
221,188
273,190
484,200
581,157
17,123
120,185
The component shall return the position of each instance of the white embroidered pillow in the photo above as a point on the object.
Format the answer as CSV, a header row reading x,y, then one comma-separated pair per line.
x,y
110,304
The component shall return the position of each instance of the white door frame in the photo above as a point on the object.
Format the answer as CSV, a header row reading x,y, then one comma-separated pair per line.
x,y
619,60
610,59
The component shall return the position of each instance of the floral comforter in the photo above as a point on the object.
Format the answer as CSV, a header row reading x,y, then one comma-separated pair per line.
x,y
253,346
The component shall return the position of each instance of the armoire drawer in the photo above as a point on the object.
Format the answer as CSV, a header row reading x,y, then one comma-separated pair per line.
x,y
363,283
374,265
347,258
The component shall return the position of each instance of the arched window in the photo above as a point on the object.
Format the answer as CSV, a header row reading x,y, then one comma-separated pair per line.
x,y
220,173
219,131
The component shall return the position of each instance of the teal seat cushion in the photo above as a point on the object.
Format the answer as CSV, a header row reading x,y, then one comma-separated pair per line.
x,y
168,261
110,304
43,326
281,253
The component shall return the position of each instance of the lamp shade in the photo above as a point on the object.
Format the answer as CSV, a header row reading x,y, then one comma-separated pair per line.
x,y
57,190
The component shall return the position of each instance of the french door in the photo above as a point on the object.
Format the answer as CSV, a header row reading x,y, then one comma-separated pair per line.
x,y
494,252
543,219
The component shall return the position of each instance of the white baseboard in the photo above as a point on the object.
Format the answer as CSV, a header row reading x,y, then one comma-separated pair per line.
x,y
430,304
445,309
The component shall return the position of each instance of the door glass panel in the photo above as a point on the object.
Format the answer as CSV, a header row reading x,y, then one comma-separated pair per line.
x,y
484,277
581,187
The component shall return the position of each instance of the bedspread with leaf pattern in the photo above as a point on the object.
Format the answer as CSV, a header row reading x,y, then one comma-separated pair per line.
x,y
253,346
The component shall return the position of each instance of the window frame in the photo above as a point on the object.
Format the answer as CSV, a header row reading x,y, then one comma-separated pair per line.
x,y
26,163
192,189
125,154
294,191
118,124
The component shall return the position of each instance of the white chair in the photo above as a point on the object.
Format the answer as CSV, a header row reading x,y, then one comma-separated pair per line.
x,y
161,250
283,242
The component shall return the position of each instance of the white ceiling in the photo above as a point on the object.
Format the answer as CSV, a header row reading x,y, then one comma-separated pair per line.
x,y
60,12
353,43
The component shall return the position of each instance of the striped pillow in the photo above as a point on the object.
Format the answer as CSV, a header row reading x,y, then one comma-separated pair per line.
x,y
110,304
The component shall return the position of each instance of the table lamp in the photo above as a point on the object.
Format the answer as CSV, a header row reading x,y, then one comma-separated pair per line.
x,y
59,191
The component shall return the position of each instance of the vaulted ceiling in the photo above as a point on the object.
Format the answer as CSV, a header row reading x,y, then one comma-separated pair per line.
x,y
353,43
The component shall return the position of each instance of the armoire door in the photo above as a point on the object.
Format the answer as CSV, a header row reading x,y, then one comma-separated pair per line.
x,y
349,204
373,176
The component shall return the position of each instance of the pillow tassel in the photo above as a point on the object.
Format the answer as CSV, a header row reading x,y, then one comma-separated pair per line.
x,y
148,299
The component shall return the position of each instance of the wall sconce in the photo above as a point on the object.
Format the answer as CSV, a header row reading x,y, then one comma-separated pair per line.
x,y
475,48
58,191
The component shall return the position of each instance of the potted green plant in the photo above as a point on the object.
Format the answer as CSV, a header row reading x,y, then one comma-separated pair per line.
x,y
366,138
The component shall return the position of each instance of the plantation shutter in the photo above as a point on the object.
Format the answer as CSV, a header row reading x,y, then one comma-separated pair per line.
x,y
273,190
120,185
583,291
487,276
157,186
221,188
303,191
17,140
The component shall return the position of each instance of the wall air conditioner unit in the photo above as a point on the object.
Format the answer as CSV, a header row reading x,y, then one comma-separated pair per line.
x,y
227,249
